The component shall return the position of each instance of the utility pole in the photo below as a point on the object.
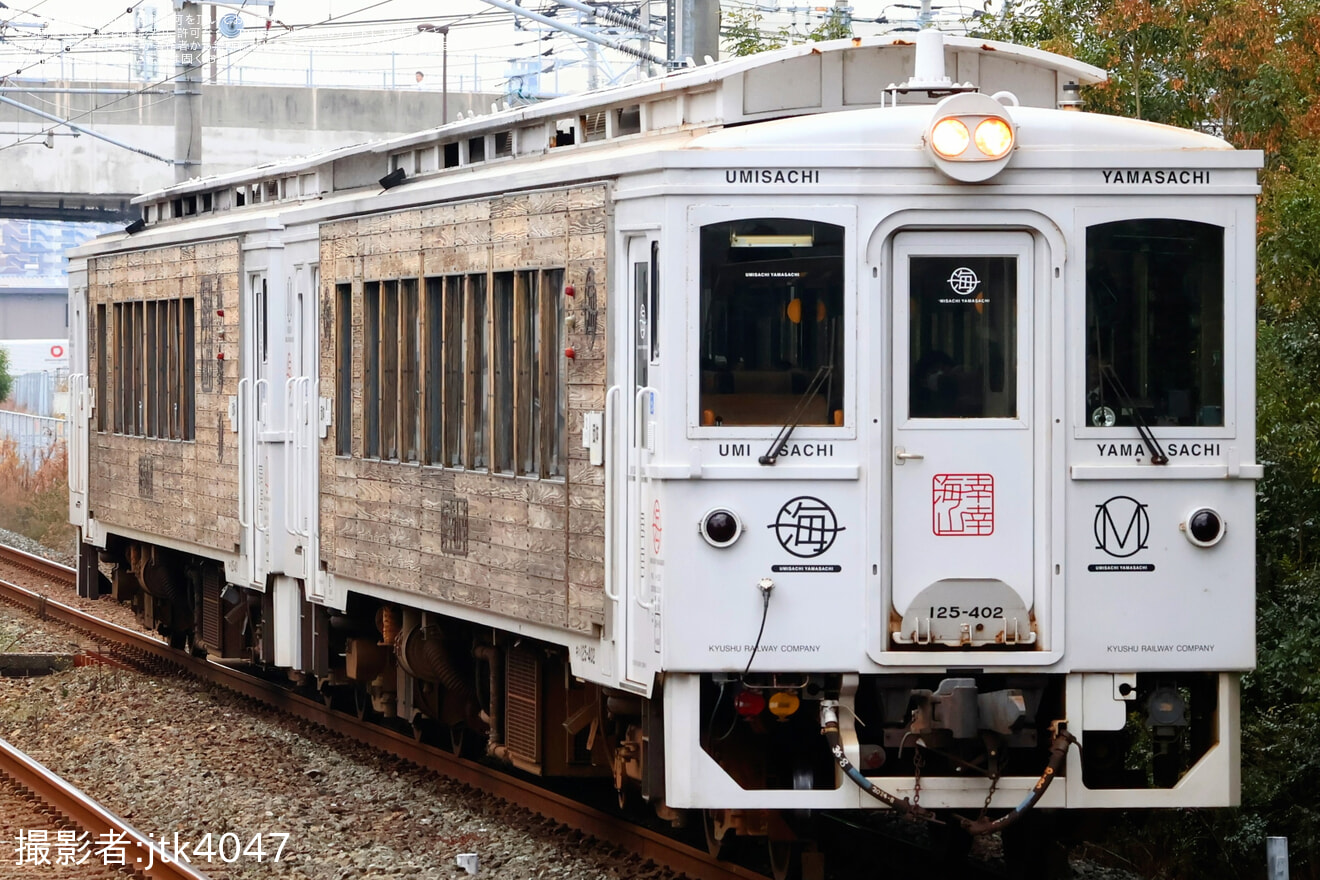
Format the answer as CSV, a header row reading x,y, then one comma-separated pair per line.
x,y
693,31
189,56
188,52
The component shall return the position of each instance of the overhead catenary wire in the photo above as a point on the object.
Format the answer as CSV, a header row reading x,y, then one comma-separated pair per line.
x,y
38,137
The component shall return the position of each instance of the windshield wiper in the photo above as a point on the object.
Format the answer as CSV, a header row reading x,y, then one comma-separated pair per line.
x,y
1157,455
795,417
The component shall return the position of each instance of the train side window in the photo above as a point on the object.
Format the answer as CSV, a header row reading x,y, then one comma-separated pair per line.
x,y
503,294
343,369
150,350
118,337
527,396
1155,323
654,311
188,391
410,371
772,330
478,364
389,371
434,382
455,369
371,370
553,391
101,336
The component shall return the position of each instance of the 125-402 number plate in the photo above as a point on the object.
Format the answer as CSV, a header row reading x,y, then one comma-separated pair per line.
x,y
973,612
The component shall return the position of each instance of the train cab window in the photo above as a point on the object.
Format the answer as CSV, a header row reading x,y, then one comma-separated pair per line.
x,y
771,347
963,337
1155,323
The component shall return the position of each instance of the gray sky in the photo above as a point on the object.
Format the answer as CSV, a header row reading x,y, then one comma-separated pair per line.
x,y
369,43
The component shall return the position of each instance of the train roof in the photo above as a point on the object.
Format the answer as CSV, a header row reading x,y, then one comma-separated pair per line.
x,y
808,79
902,127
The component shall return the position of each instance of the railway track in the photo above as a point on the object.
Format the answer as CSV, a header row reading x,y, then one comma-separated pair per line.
x,y
106,842
127,646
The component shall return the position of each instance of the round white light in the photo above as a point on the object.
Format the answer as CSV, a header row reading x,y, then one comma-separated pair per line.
x,y
949,138
994,137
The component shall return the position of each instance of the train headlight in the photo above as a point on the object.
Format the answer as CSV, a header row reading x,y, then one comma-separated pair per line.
x,y
720,527
949,138
971,137
994,137
1204,527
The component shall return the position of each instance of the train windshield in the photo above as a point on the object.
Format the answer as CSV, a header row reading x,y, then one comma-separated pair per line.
x,y
771,322
1155,323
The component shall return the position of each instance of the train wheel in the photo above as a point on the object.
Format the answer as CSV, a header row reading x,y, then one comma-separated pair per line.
x,y
785,859
361,703
714,845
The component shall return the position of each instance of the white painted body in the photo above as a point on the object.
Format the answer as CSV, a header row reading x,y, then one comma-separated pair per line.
x,y
676,607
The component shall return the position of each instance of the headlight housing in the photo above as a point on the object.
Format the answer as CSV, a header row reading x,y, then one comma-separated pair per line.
x,y
971,137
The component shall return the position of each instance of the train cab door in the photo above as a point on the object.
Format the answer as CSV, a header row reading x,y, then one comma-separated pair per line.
x,y
255,405
302,414
80,401
642,577
962,462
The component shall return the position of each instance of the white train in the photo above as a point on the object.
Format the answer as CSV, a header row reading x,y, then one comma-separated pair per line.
x,y
851,426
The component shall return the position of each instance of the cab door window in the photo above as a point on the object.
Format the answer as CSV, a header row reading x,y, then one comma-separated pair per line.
x,y
1155,323
771,348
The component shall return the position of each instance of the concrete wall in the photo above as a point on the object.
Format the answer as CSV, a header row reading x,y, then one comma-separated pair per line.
x,y
25,315
241,126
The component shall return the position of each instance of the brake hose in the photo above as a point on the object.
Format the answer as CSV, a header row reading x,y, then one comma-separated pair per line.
x,y
1058,751
829,726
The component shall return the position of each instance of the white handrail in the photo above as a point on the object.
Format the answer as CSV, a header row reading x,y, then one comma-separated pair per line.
x,y
292,429
302,444
242,455
639,447
71,442
611,488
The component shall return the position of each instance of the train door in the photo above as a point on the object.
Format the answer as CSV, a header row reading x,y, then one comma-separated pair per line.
x,y
301,416
962,464
80,403
643,574
255,406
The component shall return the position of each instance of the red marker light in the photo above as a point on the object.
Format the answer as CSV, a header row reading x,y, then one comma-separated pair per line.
x,y
570,354
220,312
219,355
749,703
569,290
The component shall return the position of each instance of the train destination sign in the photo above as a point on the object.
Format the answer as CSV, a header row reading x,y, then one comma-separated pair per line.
x,y
1157,176
1172,449
772,175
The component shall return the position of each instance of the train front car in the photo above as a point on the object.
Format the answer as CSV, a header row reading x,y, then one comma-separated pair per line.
x,y
796,433
939,438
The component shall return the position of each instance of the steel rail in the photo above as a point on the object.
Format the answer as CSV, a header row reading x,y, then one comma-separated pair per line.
x,y
139,648
142,854
38,565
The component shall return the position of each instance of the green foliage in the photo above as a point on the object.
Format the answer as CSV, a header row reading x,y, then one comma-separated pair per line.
x,y
743,34
742,31
1245,69
6,380
836,26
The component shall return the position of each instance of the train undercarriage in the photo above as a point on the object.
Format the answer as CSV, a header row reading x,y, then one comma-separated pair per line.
x,y
491,694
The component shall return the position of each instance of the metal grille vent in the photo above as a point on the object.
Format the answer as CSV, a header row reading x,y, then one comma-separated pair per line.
x,y
211,590
522,706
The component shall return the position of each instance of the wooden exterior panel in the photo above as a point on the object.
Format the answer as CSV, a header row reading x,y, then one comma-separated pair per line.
x,y
185,490
495,542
